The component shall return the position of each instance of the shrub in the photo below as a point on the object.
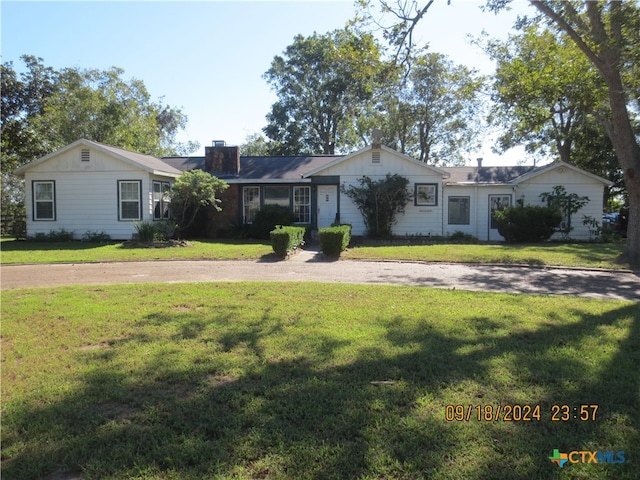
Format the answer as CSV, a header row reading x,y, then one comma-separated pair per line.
x,y
380,201
145,231
461,237
96,237
54,236
268,217
334,240
527,224
285,239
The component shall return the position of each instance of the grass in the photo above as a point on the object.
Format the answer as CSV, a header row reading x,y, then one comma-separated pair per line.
x,y
266,380
16,252
593,255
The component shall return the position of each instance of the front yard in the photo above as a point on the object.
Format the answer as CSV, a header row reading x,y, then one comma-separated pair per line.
x,y
592,255
274,381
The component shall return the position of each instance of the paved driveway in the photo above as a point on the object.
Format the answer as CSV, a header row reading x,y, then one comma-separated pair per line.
x,y
311,266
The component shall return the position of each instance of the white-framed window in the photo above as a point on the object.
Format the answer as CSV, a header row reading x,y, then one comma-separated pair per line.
x,y
129,199
161,200
276,195
426,194
302,204
459,210
250,203
44,200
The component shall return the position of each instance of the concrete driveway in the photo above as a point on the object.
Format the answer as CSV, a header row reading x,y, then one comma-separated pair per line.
x,y
311,266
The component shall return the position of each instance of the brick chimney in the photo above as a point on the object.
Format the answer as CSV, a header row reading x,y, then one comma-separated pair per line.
x,y
222,160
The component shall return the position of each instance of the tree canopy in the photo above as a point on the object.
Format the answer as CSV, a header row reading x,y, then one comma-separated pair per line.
x,y
323,83
44,109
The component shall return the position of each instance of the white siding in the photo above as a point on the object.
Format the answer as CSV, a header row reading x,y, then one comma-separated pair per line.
x,y
417,219
573,182
86,194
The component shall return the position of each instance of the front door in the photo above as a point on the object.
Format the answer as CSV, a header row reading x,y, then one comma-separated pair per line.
x,y
496,202
327,205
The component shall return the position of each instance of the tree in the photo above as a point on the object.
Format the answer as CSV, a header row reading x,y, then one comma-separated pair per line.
x,y
444,99
606,33
380,201
44,110
323,83
544,91
192,191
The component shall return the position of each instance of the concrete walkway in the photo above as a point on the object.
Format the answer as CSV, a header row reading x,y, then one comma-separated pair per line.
x,y
310,265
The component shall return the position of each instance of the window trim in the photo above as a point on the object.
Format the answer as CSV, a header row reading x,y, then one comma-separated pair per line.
x,y
164,200
35,201
468,216
308,204
120,216
425,202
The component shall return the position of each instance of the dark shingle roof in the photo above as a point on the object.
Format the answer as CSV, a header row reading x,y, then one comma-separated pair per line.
x,y
261,168
485,175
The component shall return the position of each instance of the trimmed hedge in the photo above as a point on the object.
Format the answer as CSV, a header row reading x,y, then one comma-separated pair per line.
x,y
285,239
268,218
334,240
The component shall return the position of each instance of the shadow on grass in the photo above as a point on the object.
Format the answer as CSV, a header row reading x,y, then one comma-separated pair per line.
x,y
307,417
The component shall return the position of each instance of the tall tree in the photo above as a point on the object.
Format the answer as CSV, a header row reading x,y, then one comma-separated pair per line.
x,y
606,33
544,91
323,82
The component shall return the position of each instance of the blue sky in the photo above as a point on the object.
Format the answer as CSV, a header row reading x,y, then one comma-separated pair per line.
x,y
208,57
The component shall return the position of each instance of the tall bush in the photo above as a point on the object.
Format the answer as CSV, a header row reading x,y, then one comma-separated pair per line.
x,y
527,224
380,201
268,217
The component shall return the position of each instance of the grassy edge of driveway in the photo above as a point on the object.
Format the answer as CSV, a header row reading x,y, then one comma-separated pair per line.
x,y
585,255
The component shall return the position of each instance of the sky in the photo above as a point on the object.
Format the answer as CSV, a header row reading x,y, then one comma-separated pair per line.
x,y
208,58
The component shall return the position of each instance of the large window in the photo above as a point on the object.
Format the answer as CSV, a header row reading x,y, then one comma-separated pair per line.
x,y
129,199
459,210
497,203
44,200
276,196
250,203
302,204
161,200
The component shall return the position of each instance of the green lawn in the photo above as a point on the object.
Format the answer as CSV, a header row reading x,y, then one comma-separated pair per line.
x,y
282,381
598,255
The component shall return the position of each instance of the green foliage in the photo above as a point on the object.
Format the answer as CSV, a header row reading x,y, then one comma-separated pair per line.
x,y
379,201
527,224
285,239
54,236
334,240
323,82
268,217
566,203
433,113
190,192
461,237
145,231
95,237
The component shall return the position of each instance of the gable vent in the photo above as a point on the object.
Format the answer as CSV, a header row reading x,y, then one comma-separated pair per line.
x,y
375,157
85,155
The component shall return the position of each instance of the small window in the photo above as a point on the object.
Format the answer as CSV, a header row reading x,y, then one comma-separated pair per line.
x,y
276,196
129,199
375,158
459,210
44,200
426,194
85,155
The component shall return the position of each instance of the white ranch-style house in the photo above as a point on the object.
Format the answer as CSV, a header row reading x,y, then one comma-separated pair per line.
x,y
87,186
